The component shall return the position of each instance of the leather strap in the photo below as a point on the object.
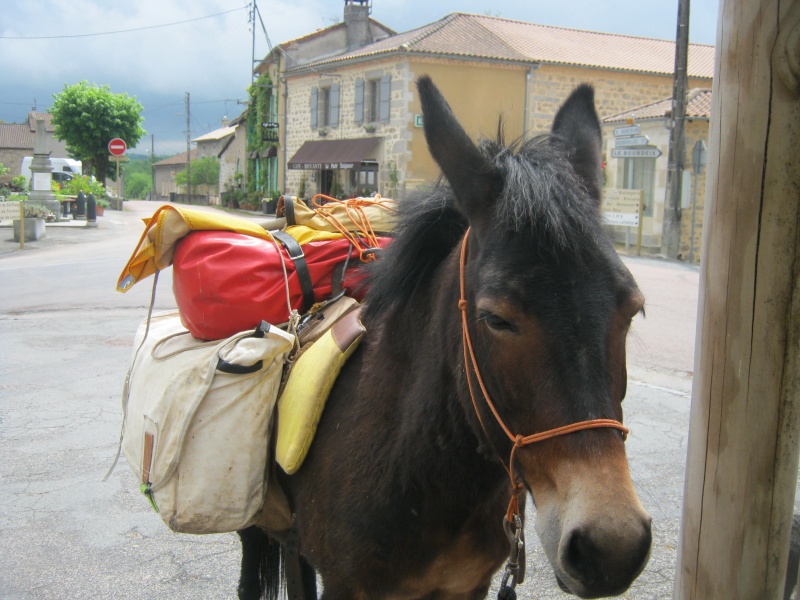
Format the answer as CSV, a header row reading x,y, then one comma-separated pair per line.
x,y
295,252
288,210
293,568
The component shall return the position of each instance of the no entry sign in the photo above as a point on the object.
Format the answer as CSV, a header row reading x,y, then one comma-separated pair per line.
x,y
117,146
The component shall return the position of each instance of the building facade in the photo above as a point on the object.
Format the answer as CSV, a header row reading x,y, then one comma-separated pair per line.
x,y
164,173
16,141
642,149
350,122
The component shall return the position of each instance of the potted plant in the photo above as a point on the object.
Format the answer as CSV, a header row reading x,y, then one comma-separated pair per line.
x,y
101,204
35,217
83,183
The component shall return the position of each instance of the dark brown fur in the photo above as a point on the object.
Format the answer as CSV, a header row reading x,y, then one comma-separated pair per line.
x,y
402,493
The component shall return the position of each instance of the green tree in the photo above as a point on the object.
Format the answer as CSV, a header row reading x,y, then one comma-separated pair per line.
x,y
205,171
137,185
86,117
138,175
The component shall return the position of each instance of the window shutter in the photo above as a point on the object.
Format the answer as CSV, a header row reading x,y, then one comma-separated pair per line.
x,y
314,92
358,118
335,105
386,98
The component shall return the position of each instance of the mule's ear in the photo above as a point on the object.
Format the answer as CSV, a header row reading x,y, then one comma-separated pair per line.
x,y
576,122
470,177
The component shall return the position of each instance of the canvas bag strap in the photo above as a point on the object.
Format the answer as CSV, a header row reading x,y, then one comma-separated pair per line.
x,y
295,252
126,387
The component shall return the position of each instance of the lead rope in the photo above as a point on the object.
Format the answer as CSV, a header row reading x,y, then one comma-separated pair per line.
x,y
512,522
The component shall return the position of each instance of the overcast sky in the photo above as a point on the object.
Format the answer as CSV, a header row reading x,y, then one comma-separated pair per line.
x,y
204,47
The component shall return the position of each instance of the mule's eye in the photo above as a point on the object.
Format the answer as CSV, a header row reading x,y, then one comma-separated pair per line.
x,y
495,322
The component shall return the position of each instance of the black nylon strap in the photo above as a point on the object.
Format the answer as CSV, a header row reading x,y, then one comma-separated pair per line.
x,y
295,252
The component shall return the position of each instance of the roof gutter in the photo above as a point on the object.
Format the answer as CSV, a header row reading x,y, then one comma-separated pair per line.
x,y
334,64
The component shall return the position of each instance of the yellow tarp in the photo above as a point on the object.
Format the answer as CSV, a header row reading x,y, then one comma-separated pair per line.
x,y
168,225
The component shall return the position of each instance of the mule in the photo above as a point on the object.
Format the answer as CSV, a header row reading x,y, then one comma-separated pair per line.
x,y
500,311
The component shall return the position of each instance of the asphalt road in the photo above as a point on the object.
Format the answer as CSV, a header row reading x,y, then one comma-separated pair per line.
x,y
66,342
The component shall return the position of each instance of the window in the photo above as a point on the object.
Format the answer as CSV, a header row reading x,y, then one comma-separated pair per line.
x,y
639,174
372,97
373,100
364,178
325,106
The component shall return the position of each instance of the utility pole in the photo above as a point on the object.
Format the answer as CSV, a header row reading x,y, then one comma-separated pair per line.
x,y
253,50
188,152
152,161
671,229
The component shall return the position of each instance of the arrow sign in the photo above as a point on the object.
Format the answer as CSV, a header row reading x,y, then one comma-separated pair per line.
x,y
637,140
635,153
630,130
117,146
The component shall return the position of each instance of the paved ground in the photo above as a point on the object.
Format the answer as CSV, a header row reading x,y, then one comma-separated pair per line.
x,y
66,341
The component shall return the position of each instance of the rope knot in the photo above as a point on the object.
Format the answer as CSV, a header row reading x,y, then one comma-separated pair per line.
x,y
462,304
518,441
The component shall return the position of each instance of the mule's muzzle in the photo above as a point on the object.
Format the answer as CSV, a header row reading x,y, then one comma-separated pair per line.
x,y
596,564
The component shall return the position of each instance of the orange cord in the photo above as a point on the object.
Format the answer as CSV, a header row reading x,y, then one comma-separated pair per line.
x,y
519,440
361,235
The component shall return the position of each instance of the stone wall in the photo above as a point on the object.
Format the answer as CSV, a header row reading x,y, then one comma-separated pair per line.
x,y
12,158
695,130
391,152
615,91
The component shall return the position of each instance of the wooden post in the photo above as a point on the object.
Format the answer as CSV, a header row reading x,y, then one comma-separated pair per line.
x,y
21,225
641,223
745,417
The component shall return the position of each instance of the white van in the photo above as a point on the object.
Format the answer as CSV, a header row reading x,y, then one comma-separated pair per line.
x,y
60,165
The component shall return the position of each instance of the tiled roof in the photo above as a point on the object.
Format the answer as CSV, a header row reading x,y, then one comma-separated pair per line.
x,y
178,159
287,46
217,134
16,135
47,117
483,37
698,106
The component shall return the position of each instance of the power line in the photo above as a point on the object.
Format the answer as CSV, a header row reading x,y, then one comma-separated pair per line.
x,y
83,35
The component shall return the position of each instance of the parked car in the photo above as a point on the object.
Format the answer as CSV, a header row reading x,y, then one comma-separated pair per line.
x,y
62,178
60,166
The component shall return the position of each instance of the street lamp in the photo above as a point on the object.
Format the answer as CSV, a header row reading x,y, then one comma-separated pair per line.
x,y
698,162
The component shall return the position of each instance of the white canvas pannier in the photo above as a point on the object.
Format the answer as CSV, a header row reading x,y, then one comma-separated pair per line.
x,y
197,421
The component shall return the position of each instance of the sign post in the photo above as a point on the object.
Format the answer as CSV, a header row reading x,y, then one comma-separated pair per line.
x,y
625,207
21,225
117,148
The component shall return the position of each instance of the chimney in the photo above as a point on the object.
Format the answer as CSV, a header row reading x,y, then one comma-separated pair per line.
x,y
356,19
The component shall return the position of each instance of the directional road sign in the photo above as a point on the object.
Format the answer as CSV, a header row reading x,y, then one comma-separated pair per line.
x,y
636,140
629,130
635,153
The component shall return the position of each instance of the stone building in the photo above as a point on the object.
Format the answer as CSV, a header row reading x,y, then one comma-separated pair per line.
x,y
16,141
645,167
350,121
164,172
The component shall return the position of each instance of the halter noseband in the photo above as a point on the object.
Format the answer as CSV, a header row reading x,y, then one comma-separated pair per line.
x,y
518,440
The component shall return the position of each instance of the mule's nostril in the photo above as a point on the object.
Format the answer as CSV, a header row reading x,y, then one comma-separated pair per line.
x,y
581,558
605,564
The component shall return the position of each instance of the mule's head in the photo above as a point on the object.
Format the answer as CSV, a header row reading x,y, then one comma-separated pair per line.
x,y
549,305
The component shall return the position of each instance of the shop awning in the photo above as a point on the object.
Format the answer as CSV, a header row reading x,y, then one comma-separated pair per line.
x,y
334,154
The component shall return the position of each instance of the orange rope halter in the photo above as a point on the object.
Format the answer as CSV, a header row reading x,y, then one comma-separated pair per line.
x,y
354,208
519,440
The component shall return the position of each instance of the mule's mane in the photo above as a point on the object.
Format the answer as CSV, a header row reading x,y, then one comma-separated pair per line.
x,y
541,197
